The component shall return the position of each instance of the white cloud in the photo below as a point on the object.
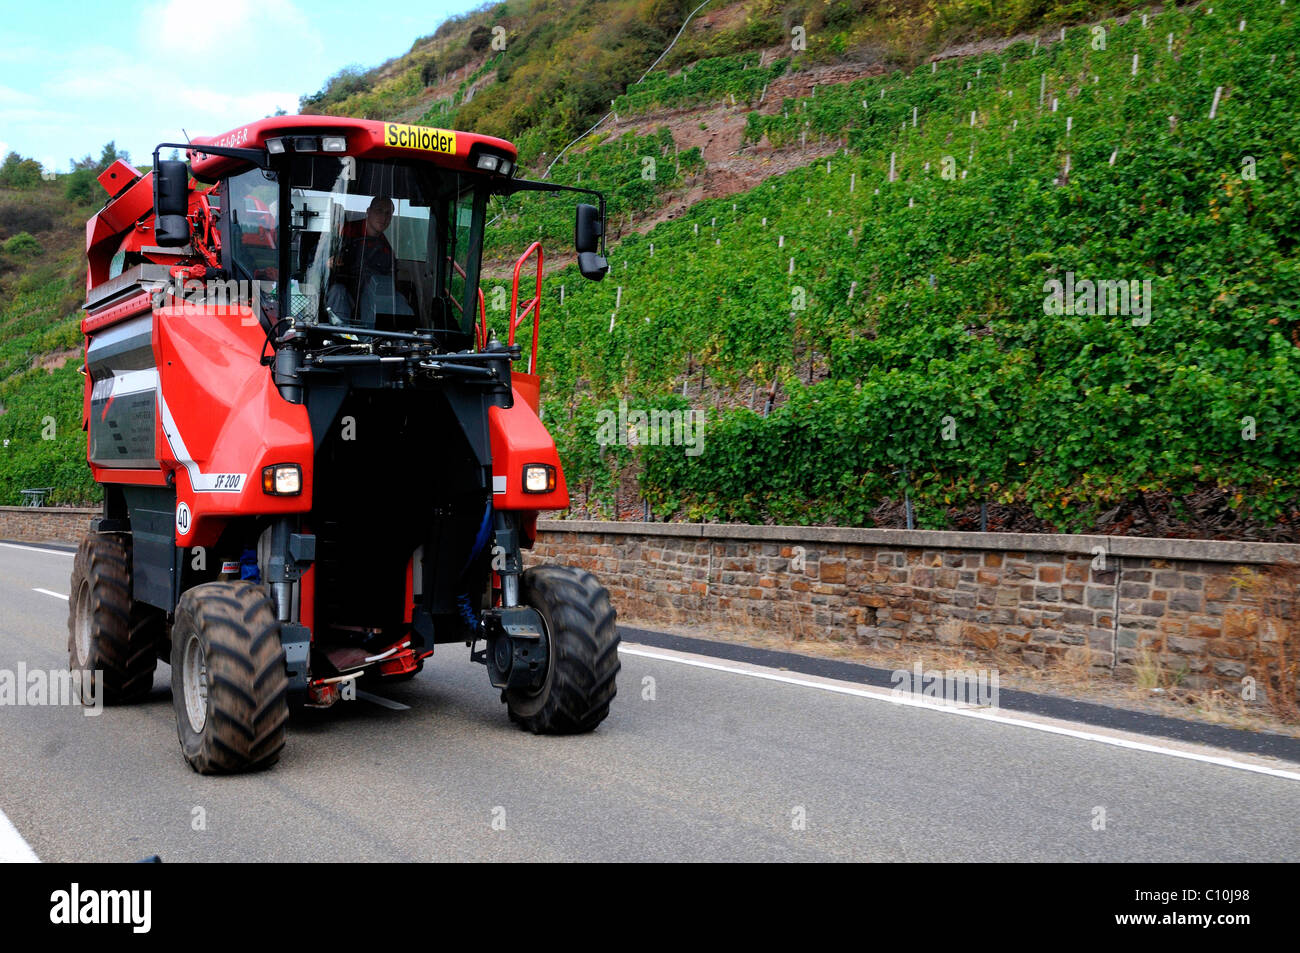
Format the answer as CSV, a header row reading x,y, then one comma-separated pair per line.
x,y
187,71
248,38
16,97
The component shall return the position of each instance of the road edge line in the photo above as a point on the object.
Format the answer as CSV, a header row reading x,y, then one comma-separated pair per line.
x,y
13,848
885,695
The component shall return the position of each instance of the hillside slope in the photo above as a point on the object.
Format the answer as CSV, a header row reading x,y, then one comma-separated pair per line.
x,y
842,258
907,320
42,286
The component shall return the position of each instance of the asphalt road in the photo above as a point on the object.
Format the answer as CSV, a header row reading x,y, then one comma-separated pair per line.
x,y
725,762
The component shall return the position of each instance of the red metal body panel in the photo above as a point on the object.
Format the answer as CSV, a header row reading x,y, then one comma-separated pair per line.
x,y
129,308
307,596
222,419
529,387
128,477
117,177
365,141
120,215
518,438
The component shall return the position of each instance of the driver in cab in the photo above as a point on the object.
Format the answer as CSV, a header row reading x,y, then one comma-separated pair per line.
x,y
365,255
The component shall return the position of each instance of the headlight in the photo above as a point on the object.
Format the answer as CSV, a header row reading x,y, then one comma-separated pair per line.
x,y
275,146
283,479
305,144
334,144
539,478
488,162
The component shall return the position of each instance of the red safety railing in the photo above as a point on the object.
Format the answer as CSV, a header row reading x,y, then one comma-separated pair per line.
x,y
534,306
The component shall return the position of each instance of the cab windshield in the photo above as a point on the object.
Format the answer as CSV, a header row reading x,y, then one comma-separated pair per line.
x,y
383,245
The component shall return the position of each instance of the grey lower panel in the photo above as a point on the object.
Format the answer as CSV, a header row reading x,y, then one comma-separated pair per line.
x,y
154,557
122,430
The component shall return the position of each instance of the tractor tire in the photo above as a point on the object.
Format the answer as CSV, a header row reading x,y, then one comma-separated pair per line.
x,y
229,684
110,637
582,653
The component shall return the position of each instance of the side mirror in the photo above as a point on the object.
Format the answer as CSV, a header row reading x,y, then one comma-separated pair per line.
x,y
588,229
592,266
171,203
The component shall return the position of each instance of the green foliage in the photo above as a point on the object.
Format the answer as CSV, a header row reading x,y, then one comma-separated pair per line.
x,y
19,173
566,61
41,440
938,368
348,81
633,171
708,80
22,245
944,372
81,187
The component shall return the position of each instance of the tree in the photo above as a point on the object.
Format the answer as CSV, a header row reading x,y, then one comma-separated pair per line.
x,y
82,186
479,39
19,173
109,155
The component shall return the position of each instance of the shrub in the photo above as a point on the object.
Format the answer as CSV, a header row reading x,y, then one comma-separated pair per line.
x,y
22,245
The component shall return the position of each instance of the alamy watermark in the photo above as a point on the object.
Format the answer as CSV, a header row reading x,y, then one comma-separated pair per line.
x,y
949,686
213,292
75,906
653,428
39,688
1107,297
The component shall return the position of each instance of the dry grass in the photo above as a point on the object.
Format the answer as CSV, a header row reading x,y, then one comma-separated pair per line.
x,y
1277,639
1072,673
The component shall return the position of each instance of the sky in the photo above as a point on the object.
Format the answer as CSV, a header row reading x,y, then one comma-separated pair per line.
x,y
75,75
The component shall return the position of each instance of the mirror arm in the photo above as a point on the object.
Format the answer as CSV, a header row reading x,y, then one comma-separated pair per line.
x,y
258,157
527,185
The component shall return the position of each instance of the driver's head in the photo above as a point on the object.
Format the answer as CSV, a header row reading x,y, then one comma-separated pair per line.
x,y
379,214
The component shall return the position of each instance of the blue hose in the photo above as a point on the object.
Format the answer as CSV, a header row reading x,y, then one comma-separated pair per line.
x,y
463,601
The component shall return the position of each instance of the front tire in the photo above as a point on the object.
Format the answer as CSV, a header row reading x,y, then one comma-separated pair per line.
x,y
582,653
111,638
229,684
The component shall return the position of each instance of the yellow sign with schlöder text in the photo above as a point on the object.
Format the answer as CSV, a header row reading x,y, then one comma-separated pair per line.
x,y
419,137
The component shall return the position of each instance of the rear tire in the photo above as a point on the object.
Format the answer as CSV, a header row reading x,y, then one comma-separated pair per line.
x,y
582,653
229,685
110,637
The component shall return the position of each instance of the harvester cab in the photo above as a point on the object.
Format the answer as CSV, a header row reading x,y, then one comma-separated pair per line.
x,y
318,459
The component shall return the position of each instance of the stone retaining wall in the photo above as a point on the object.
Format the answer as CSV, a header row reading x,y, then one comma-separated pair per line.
x,y
46,524
1188,606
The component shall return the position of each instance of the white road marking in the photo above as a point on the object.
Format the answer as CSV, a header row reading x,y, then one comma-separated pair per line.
x,y
983,714
56,595
383,702
13,849
38,549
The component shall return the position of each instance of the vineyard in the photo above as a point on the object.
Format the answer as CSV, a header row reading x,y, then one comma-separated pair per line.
x,y
739,77
635,173
883,336
897,297
545,70
41,439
